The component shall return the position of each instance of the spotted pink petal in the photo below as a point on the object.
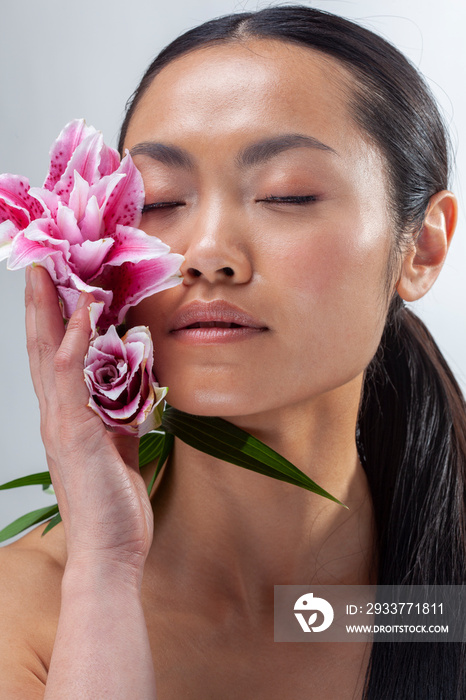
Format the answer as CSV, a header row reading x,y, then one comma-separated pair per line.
x,y
137,267
126,200
40,244
133,282
85,160
16,204
62,149
109,160
25,251
47,200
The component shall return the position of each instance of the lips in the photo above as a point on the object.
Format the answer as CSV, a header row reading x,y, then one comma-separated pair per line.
x,y
216,314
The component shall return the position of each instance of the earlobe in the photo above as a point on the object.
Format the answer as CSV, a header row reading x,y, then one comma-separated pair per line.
x,y
422,264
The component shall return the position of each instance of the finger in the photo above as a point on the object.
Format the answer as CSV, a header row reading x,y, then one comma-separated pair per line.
x,y
31,339
72,391
49,327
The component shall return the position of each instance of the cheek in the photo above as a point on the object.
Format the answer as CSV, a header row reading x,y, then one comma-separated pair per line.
x,y
335,285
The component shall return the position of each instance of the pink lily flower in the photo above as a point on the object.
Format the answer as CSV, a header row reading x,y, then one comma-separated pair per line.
x,y
82,226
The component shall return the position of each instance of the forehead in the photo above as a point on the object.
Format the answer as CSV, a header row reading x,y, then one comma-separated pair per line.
x,y
240,87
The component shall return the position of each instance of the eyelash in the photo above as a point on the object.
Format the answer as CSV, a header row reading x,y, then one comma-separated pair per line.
x,y
298,199
160,205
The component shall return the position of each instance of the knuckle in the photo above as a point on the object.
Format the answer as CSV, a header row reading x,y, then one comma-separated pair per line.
x,y
63,361
45,348
76,323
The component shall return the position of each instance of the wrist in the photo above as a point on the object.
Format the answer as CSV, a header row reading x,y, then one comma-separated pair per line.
x,y
96,572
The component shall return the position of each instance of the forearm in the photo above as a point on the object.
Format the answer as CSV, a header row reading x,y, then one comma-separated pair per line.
x,y
102,647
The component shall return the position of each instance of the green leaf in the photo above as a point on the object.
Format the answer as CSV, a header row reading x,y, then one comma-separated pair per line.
x,y
164,455
28,520
55,520
150,446
225,441
30,480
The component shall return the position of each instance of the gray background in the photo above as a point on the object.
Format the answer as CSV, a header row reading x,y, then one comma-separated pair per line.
x,y
60,60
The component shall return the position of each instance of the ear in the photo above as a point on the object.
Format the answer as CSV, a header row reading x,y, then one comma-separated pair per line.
x,y
422,264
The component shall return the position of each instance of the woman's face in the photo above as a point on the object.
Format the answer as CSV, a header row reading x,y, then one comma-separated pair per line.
x,y
245,129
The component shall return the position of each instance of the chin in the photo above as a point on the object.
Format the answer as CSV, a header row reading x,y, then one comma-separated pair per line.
x,y
205,402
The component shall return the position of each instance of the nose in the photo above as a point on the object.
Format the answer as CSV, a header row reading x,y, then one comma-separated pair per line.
x,y
217,249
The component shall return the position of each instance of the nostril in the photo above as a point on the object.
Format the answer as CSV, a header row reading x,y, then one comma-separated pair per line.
x,y
195,273
228,271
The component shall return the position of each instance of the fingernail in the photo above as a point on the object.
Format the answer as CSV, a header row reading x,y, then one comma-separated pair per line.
x,y
32,277
81,301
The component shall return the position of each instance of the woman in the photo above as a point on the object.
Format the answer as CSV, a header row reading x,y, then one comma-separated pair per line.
x,y
299,164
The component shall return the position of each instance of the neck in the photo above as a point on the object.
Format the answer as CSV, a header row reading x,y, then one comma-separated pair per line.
x,y
219,527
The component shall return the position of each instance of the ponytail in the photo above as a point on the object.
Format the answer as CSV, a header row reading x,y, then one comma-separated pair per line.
x,y
412,443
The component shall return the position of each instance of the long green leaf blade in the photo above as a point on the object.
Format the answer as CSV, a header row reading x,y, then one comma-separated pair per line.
x,y
167,447
225,441
150,446
28,520
55,520
29,480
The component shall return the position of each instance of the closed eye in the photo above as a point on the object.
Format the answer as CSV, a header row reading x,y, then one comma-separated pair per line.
x,y
161,205
293,199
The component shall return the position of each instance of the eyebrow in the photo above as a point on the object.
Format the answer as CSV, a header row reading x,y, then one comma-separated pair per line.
x,y
167,154
267,148
254,154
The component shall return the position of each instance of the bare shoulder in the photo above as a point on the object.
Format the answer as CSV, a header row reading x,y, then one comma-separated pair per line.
x,y
31,570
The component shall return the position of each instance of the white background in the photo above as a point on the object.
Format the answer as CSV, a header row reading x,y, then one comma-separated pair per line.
x,y
60,60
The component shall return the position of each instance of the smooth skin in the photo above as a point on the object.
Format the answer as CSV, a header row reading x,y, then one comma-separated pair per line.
x,y
184,585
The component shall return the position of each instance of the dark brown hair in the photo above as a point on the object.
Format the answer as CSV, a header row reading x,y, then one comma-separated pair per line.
x,y
411,431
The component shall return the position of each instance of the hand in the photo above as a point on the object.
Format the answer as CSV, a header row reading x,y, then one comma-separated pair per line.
x,y
102,497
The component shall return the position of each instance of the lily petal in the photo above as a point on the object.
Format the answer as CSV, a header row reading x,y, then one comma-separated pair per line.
x,y
109,160
8,231
87,257
67,225
63,147
85,160
124,205
16,203
25,251
79,196
48,200
92,224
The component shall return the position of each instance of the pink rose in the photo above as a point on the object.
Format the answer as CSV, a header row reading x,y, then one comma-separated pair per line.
x,y
118,374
